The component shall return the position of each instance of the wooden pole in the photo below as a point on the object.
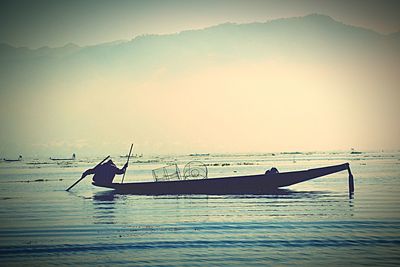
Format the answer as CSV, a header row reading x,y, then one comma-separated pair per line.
x,y
84,177
351,181
123,177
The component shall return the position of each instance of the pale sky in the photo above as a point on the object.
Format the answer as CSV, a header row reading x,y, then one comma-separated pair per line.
x,y
285,88
56,22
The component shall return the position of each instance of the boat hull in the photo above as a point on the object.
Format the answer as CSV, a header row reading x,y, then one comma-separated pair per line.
x,y
250,184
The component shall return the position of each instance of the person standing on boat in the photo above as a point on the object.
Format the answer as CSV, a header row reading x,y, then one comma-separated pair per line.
x,y
273,170
105,173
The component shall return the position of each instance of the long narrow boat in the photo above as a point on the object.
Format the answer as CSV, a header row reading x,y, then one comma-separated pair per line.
x,y
64,159
250,184
13,160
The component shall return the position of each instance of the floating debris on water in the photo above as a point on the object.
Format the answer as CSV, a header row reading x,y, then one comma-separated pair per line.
x,y
146,161
39,163
33,181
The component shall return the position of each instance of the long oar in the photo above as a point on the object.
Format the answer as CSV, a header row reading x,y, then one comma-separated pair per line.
x,y
84,177
123,177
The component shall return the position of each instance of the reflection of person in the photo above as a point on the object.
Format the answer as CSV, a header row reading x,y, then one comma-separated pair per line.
x,y
105,173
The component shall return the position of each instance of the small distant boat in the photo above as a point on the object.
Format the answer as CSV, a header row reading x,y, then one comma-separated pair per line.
x,y
199,155
355,152
12,160
132,156
72,158
249,184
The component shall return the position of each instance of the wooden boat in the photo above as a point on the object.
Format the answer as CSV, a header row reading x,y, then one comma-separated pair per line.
x,y
72,158
250,184
13,160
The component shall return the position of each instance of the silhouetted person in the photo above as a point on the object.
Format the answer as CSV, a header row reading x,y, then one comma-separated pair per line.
x,y
105,173
273,170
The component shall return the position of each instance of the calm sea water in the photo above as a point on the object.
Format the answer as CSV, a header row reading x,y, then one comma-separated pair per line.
x,y
310,224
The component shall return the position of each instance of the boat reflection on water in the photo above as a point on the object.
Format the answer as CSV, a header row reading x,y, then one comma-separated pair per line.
x,y
111,195
105,197
114,207
104,207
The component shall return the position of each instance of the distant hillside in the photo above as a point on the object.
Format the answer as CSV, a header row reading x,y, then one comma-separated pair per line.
x,y
305,37
283,36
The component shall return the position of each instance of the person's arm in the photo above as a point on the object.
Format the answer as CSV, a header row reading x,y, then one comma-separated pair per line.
x,y
121,171
88,172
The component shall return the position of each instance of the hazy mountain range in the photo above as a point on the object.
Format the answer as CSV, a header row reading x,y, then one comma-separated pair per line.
x,y
353,58
306,36
310,27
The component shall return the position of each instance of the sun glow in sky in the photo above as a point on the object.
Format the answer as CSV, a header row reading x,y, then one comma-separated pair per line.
x,y
309,83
